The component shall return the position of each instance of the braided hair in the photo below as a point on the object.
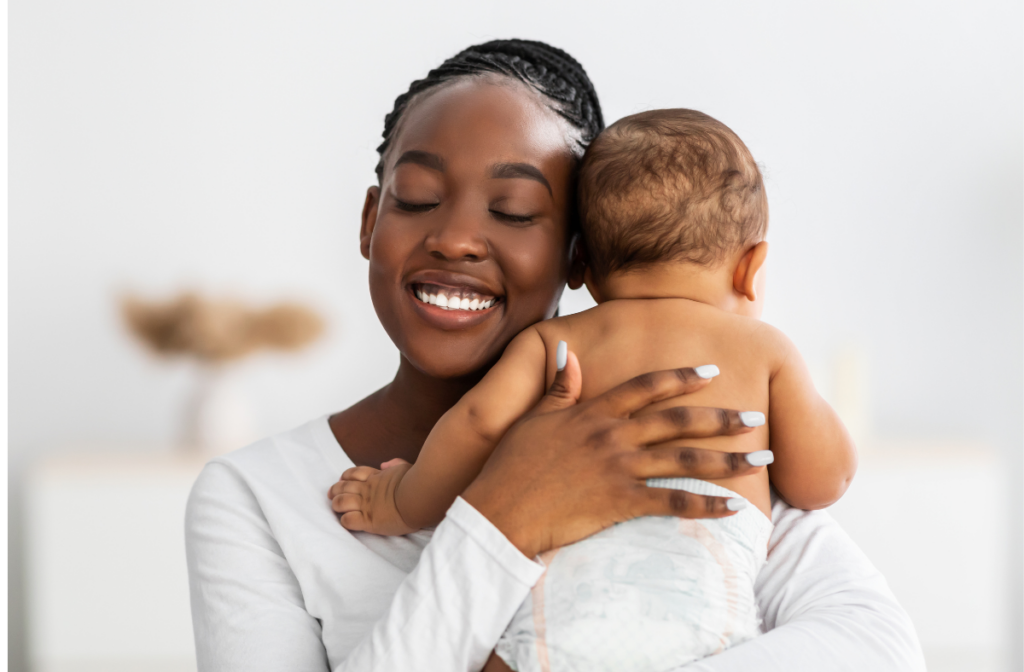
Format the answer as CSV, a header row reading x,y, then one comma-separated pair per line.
x,y
550,71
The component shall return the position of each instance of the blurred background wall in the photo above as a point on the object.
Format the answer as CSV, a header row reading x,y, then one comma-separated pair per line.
x,y
226,147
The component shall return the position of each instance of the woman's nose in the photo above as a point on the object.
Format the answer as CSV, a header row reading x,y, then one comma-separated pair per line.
x,y
459,238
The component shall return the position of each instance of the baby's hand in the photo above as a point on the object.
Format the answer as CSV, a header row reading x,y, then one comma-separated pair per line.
x,y
364,499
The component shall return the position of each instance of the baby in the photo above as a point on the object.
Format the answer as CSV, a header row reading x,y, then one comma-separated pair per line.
x,y
674,215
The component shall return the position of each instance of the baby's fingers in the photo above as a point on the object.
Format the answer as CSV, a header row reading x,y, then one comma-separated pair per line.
x,y
358,473
354,521
345,486
348,501
667,502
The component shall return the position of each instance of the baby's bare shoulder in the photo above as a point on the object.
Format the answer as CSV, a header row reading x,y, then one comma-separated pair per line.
x,y
585,327
770,343
564,327
623,320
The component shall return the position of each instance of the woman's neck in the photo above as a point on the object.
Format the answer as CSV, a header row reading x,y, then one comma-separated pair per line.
x,y
395,420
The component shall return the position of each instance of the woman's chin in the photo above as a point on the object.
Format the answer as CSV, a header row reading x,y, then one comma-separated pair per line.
x,y
443,368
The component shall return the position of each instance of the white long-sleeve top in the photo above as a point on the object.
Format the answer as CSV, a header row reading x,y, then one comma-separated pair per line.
x,y
277,584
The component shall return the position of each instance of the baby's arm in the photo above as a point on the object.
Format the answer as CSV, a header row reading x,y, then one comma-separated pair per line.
x,y
815,458
401,499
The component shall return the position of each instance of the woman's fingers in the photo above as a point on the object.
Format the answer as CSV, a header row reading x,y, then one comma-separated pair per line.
x,y
666,502
689,422
635,394
695,463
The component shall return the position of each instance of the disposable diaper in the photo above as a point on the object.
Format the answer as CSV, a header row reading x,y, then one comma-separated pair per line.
x,y
645,595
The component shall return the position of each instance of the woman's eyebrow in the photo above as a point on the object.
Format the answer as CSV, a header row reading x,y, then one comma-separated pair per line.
x,y
525,170
425,159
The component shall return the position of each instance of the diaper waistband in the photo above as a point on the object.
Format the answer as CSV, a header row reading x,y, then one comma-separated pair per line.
x,y
750,520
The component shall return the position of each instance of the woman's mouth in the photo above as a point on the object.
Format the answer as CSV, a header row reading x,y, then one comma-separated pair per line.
x,y
453,298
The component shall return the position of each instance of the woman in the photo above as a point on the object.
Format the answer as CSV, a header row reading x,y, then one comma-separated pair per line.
x,y
475,196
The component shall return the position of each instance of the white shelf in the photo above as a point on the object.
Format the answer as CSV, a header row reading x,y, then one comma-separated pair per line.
x,y
107,581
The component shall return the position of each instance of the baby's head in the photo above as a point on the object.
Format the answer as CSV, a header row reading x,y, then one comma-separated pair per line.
x,y
677,188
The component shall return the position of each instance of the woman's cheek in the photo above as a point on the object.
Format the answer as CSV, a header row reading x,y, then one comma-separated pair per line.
x,y
536,269
387,254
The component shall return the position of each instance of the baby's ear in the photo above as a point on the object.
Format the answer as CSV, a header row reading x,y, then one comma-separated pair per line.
x,y
369,220
744,280
577,262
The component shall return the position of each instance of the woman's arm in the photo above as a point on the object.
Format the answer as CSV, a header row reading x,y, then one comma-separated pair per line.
x,y
249,615
454,605
247,607
824,605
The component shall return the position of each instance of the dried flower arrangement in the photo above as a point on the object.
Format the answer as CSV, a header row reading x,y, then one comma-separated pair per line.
x,y
219,330
214,332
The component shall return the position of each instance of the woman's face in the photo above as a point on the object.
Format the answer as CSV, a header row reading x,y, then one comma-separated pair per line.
x,y
467,236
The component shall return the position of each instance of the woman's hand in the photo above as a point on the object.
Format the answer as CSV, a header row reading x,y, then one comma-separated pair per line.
x,y
567,470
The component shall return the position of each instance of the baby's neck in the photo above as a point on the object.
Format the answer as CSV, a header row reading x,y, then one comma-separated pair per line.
x,y
712,286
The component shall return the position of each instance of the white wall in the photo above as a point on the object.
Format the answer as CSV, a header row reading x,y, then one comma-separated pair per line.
x,y
227,145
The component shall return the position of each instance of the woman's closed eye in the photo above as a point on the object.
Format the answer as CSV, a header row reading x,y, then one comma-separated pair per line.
x,y
406,206
510,218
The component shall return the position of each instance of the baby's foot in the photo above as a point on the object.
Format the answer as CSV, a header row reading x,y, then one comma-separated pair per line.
x,y
364,498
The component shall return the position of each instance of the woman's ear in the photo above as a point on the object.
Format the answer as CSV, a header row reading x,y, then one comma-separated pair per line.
x,y
369,220
744,280
577,262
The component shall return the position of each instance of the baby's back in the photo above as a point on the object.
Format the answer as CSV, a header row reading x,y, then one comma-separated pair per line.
x,y
621,339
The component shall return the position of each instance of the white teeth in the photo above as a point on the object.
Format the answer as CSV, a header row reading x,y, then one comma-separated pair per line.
x,y
455,301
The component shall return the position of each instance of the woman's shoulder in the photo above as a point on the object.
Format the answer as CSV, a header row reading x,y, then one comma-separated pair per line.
x,y
311,445
289,470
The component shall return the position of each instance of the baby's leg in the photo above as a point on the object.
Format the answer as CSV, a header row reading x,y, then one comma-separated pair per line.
x,y
364,498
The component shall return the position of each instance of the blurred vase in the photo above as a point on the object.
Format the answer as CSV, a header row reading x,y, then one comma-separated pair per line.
x,y
218,417
213,333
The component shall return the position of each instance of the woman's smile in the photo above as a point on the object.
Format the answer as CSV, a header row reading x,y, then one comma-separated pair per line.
x,y
454,291
452,301
452,298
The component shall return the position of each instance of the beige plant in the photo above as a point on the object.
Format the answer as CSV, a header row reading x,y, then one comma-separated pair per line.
x,y
219,330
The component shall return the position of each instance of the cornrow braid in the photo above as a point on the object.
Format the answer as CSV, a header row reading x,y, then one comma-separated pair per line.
x,y
550,71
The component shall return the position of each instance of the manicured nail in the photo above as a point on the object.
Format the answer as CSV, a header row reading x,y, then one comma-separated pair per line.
x,y
706,371
752,418
736,504
760,458
562,355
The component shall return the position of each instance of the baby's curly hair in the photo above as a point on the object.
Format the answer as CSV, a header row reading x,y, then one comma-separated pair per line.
x,y
669,185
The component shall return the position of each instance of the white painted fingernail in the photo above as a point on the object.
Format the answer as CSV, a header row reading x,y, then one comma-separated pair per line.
x,y
760,458
562,355
706,371
736,504
752,418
